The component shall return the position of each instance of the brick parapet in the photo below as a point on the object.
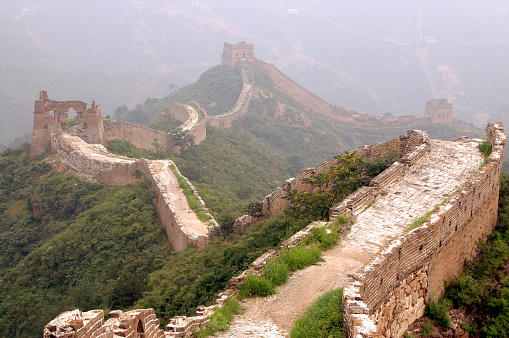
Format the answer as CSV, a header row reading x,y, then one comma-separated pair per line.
x,y
391,291
404,145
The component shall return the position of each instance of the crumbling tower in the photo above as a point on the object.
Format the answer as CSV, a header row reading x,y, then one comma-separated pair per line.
x,y
439,111
46,124
232,54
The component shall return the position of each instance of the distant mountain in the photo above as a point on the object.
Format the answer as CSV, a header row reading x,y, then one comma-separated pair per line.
x,y
374,58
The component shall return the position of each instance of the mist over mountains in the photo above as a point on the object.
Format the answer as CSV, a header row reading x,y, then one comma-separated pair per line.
x,y
369,56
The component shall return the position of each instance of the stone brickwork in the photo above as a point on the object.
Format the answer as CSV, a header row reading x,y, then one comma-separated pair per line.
x,y
392,290
233,54
439,111
76,324
276,201
46,125
140,136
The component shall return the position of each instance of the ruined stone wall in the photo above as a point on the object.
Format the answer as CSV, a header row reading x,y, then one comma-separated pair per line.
x,y
276,201
140,136
392,290
116,170
91,324
44,126
92,127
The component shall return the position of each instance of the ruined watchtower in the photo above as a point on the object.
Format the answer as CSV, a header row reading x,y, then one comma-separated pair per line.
x,y
232,54
439,111
90,122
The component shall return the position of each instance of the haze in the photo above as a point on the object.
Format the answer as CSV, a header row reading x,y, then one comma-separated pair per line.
x,y
369,56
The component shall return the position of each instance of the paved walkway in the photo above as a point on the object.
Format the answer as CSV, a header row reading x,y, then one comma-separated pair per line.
x,y
426,184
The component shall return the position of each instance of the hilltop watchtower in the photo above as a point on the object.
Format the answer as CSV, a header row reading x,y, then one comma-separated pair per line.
x,y
232,54
439,111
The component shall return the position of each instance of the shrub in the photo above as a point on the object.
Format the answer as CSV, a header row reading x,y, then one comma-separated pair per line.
x,y
485,147
323,319
255,285
437,311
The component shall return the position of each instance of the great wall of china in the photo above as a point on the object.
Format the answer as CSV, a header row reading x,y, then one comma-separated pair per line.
x,y
391,273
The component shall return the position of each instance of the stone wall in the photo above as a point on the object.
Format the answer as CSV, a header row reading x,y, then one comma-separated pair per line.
x,y
92,126
91,324
140,136
391,292
276,201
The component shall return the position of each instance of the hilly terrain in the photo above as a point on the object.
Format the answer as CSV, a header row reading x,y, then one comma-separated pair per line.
x,y
373,58
69,243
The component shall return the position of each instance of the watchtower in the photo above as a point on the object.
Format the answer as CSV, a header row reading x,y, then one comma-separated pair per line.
x,y
232,54
439,111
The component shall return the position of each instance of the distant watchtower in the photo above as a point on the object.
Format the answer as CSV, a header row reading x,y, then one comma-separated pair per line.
x,y
232,54
439,111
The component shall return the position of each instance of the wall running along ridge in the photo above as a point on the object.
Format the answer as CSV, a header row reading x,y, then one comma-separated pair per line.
x,y
391,292
242,105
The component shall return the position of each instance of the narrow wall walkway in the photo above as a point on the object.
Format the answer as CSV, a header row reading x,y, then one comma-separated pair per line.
x,y
166,177
426,184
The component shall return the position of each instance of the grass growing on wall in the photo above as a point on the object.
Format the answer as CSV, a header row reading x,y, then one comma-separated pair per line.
x,y
192,200
221,318
323,319
419,221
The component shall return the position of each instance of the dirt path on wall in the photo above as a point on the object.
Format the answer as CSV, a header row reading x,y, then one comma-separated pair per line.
x,y
423,186
177,198
279,311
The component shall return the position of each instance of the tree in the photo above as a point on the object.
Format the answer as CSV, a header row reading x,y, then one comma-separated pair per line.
x,y
172,87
